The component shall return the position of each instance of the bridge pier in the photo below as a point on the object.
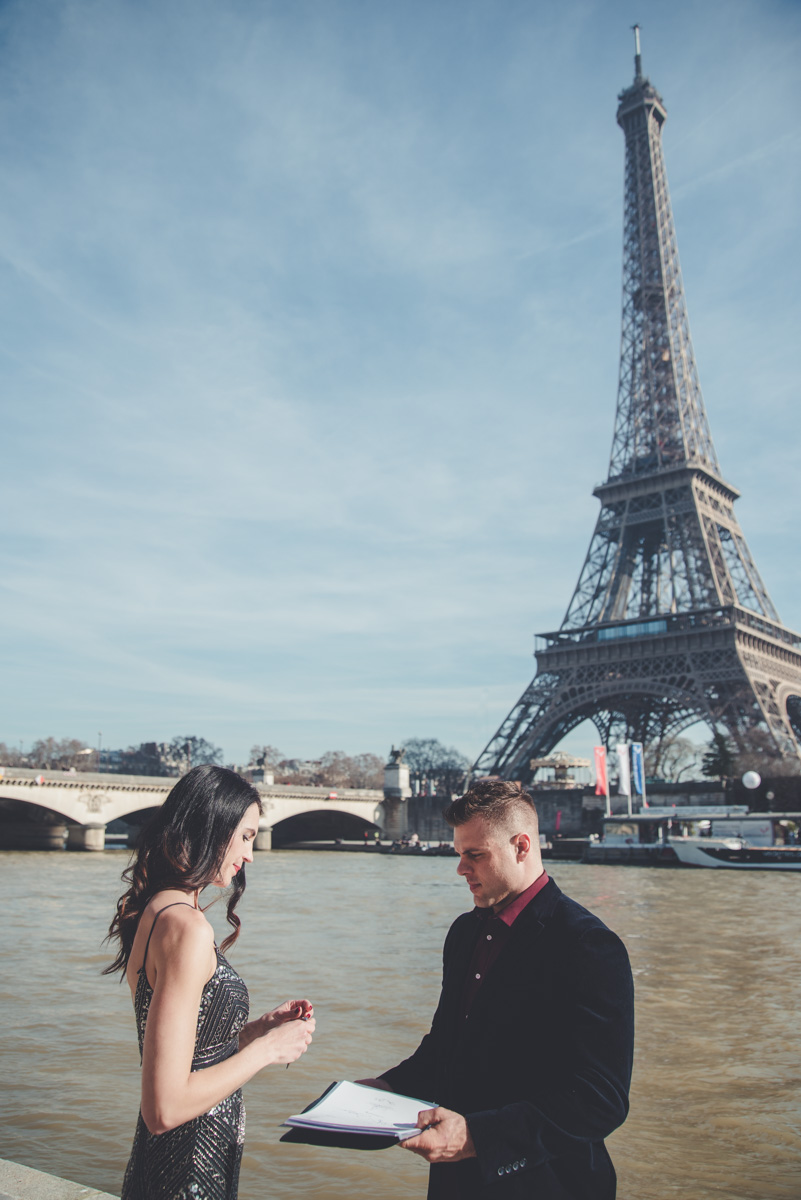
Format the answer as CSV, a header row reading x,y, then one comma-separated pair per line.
x,y
86,837
264,838
396,793
396,818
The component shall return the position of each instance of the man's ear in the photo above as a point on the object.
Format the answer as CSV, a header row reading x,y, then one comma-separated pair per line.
x,y
522,846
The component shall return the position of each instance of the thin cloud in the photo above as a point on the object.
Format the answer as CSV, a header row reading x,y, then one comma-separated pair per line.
x,y
309,338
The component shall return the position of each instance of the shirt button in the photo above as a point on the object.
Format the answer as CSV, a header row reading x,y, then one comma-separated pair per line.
x,y
477,976
489,937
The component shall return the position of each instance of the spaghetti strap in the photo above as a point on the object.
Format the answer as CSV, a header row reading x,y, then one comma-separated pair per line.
x,y
174,904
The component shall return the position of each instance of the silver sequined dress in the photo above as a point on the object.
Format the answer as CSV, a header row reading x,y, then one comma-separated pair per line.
x,y
199,1160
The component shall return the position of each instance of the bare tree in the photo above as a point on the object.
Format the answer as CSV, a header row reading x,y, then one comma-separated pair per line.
x,y
193,752
333,770
9,757
265,756
435,768
56,754
759,754
337,769
303,772
671,758
367,771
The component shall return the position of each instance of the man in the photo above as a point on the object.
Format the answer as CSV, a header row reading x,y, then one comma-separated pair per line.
x,y
529,1055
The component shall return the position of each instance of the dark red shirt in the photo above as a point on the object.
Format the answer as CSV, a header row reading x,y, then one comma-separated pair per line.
x,y
494,933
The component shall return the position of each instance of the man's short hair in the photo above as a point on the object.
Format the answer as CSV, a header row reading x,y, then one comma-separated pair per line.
x,y
502,803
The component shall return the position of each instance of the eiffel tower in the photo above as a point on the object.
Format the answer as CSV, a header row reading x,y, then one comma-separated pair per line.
x,y
670,622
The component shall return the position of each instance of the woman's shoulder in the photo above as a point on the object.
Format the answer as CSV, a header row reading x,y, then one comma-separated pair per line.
x,y
177,922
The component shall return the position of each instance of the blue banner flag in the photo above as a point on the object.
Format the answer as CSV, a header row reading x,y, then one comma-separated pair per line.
x,y
638,769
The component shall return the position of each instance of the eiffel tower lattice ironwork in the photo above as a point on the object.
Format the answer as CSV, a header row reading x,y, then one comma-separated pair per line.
x,y
670,622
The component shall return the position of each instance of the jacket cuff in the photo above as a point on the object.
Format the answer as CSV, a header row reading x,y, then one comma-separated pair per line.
x,y
497,1157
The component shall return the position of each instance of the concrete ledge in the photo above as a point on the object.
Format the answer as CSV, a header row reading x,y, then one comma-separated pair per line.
x,y
23,1183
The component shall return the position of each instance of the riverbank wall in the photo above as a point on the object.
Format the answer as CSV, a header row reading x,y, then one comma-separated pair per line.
x,y
577,812
24,1183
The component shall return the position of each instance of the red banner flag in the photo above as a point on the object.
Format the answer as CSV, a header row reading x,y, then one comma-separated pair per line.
x,y
601,786
601,780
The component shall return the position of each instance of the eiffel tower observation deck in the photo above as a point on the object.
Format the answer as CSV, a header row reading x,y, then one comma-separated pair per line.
x,y
670,623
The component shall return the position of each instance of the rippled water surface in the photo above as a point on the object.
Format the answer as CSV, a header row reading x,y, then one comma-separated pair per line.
x,y
716,1108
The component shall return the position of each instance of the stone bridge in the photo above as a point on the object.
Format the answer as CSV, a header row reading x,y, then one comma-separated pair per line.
x,y
41,808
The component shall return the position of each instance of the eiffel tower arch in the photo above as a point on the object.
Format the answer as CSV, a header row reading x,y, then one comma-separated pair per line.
x,y
670,622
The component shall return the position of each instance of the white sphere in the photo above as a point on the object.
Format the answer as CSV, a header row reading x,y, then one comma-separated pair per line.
x,y
751,780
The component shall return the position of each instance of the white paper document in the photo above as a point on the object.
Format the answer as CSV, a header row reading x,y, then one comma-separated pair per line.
x,y
355,1108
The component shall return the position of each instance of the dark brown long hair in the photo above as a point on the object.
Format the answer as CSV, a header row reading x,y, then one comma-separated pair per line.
x,y
183,846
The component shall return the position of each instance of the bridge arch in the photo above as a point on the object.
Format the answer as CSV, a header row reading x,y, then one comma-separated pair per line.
x,y
321,825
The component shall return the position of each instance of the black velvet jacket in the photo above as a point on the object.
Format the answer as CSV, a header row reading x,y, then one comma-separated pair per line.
x,y
542,1064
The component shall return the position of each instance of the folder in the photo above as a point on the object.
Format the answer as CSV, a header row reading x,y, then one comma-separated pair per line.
x,y
352,1116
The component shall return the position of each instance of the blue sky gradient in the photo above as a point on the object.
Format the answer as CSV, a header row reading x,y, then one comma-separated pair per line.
x,y
309,332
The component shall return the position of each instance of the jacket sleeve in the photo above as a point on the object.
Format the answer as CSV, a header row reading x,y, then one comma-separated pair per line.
x,y
588,1098
415,1076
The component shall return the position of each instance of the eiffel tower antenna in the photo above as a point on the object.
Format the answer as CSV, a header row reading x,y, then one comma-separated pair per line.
x,y
637,56
670,622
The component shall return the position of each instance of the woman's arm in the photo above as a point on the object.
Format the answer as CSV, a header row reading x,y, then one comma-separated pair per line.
x,y
172,1093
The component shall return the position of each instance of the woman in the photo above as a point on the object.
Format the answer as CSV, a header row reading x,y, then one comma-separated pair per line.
x,y
196,1044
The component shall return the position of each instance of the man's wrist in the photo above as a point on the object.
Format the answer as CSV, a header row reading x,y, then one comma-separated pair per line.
x,y
469,1144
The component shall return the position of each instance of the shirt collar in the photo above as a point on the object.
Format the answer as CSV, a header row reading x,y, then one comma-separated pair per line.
x,y
512,911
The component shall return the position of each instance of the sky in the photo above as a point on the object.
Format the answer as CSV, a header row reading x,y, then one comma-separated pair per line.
x,y
309,340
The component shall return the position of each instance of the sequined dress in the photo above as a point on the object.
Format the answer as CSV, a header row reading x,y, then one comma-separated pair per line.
x,y
200,1159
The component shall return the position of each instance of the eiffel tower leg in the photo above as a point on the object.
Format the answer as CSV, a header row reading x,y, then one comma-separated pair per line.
x,y
770,711
647,688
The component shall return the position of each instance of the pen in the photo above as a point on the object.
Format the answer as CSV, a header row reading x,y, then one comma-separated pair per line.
x,y
408,1136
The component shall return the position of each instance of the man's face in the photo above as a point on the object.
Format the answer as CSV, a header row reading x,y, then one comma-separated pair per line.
x,y
489,861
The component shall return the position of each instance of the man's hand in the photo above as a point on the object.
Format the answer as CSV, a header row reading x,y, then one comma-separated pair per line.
x,y
445,1136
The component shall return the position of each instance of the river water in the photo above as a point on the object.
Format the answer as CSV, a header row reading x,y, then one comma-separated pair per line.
x,y
716,1104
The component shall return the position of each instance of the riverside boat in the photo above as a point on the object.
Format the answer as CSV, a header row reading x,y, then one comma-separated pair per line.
x,y
721,837
416,849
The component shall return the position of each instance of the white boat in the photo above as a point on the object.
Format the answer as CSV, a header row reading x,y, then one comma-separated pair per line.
x,y
723,837
750,841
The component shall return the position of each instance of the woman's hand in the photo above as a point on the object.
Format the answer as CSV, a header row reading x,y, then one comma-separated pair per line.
x,y
290,1010
286,1041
